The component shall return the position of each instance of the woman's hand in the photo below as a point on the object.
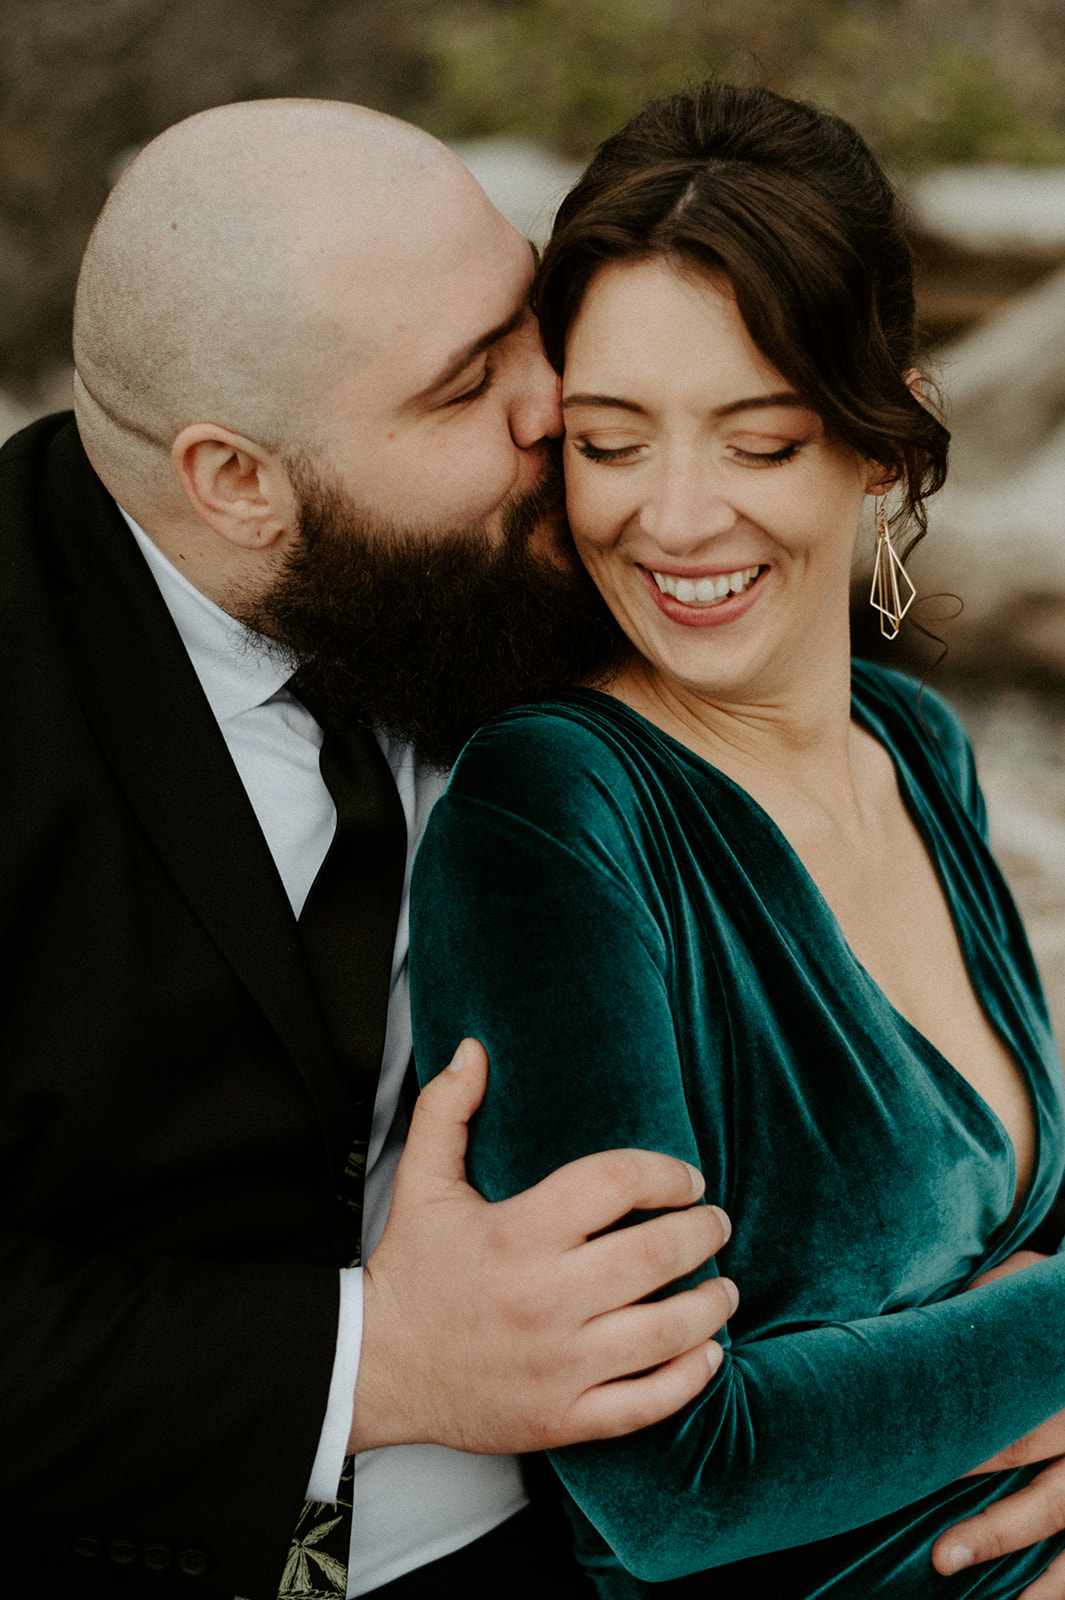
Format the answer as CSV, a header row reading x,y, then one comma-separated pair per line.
x,y
1035,1512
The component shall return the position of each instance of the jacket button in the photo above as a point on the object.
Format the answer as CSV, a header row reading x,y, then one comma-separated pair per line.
x,y
192,1563
123,1552
87,1547
157,1557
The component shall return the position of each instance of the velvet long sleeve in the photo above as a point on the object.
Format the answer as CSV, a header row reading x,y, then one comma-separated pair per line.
x,y
649,964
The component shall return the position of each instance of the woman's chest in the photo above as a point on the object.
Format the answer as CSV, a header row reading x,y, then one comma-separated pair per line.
x,y
863,1170
894,915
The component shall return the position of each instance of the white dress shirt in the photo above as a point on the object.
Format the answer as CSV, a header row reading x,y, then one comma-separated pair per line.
x,y
412,1503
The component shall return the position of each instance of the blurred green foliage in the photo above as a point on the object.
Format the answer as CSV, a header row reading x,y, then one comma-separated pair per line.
x,y
82,81
927,83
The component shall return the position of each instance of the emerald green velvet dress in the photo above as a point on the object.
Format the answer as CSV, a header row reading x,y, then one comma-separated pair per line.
x,y
649,964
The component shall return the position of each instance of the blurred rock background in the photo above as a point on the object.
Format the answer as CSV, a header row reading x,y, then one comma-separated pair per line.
x,y
964,100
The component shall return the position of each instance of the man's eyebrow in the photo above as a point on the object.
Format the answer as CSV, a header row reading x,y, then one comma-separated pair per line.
x,y
759,402
469,352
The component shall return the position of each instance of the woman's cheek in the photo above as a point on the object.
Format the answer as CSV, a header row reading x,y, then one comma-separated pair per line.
x,y
591,502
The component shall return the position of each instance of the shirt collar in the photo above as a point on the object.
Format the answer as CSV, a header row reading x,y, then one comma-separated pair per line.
x,y
237,667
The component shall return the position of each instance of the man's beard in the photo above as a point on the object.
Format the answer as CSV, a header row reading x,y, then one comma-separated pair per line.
x,y
427,634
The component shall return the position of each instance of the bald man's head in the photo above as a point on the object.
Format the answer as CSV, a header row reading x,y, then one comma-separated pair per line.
x,y
226,275
308,367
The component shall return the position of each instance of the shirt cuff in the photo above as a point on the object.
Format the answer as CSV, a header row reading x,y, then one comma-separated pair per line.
x,y
324,1481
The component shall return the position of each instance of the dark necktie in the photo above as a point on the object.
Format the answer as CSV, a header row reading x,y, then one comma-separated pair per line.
x,y
348,926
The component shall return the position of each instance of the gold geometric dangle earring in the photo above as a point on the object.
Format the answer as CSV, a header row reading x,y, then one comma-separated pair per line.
x,y
885,595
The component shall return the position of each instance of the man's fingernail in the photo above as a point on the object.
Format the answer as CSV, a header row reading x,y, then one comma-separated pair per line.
x,y
458,1060
732,1292
722,1217
958,1556
697,1179
715,1355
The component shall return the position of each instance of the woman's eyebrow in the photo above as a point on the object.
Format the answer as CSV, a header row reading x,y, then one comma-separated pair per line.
x,y
601,400
760,402
787,397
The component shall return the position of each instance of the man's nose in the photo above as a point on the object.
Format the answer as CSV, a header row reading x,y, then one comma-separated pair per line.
x,y
536,411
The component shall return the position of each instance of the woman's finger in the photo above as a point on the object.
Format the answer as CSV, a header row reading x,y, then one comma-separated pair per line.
x,y
1035,1512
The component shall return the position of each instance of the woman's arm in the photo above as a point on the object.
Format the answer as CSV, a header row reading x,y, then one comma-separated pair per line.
x,y
1049,1438
1030,1514
545,951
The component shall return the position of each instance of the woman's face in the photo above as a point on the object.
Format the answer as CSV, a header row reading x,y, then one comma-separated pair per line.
x,y
706,501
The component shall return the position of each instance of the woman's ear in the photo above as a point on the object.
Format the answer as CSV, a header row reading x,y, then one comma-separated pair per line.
x,y
881,479
237,487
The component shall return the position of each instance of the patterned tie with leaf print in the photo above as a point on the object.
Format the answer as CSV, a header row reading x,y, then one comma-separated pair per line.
x,y
348,926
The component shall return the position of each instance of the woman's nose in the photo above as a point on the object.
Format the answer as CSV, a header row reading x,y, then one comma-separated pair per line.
x,y
686,509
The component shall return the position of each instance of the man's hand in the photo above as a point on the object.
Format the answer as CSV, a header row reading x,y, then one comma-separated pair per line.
x,y
511,1327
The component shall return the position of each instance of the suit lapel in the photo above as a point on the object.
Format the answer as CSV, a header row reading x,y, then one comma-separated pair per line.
x,y
154,725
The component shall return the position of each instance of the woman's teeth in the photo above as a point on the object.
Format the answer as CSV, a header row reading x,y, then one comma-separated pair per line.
x,y
705,591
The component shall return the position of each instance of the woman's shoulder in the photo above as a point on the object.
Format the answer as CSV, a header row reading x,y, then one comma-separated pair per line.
x,y
562,782
580,774
578,742
907,702
915,722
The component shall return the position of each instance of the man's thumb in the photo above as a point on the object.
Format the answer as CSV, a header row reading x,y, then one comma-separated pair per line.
x,y
436,1143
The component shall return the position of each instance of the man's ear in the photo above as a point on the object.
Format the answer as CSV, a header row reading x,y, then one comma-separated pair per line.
x,y
237,487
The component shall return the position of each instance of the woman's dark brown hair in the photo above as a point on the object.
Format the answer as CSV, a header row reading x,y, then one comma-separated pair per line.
x,y
787,202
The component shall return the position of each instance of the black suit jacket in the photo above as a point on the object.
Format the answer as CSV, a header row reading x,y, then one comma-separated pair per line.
x,y
172,1115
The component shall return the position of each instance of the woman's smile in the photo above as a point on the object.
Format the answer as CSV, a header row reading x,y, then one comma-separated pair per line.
x,y
703,599
708,503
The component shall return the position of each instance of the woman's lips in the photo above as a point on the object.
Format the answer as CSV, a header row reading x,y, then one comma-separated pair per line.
x,y
704,600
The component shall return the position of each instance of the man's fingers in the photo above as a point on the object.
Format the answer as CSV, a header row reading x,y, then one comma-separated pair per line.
x,y
593,1192
435,1151
573,1204
637,1338
631,1263
531,1295
1033,1513
579,1200
613,1409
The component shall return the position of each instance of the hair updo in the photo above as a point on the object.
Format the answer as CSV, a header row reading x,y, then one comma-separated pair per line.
x,y
788,202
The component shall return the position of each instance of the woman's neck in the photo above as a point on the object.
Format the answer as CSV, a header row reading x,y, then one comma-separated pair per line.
x,y
800,739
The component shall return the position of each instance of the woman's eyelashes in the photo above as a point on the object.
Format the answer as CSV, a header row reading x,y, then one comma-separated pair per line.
x,y
629,452
770,458
595,452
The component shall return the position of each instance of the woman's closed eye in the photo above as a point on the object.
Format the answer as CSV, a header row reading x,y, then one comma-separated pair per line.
x,y
629,452
768,458
597,452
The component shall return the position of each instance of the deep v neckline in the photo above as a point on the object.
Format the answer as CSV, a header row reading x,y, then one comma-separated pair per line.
x,y
925,822
911,795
